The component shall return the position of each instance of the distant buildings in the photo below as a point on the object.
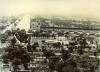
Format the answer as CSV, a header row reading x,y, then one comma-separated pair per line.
x,y
40,22
35,26
59,23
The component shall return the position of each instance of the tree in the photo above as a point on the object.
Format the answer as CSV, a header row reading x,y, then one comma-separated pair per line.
x,y
17,55
65,54
47,53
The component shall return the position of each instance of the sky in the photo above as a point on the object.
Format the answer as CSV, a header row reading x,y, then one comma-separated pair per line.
x,y
85,8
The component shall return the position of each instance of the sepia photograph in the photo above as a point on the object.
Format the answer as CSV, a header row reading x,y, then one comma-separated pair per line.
x,y
49,35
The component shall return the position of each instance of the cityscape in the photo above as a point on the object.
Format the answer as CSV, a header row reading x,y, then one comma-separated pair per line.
x,y
33,43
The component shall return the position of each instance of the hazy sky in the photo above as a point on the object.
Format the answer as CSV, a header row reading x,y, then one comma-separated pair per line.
x,y
87,8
